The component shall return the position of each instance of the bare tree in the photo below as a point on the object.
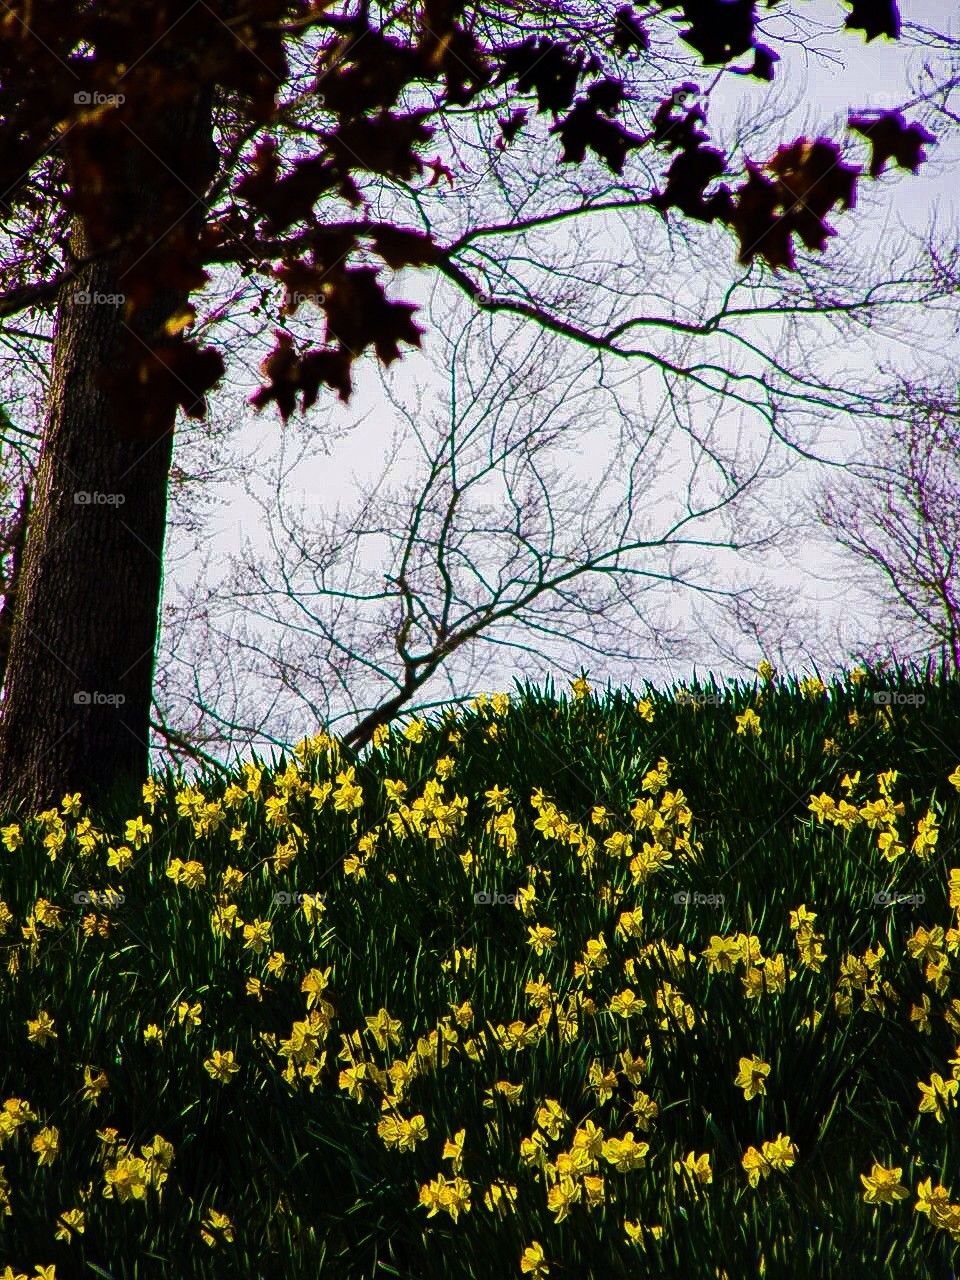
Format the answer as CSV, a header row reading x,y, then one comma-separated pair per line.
x,y
551,517
898,521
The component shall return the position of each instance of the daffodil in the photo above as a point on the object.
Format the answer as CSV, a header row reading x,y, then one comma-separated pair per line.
x,y
938,1096
533,1261
216,1227
751,1077
749,722
695,1168
46,1144
453,1150
41,1028
625,1153
883,1185
221,1066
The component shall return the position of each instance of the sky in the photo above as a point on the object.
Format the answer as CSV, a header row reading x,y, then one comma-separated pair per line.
x,y
351,442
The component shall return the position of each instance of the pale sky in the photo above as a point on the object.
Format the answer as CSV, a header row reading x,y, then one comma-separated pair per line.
x,y
881,75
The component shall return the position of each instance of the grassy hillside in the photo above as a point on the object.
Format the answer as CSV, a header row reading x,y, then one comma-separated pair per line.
x,y
590,987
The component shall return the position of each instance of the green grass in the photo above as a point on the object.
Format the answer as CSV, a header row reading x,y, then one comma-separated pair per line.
x,y
298,1165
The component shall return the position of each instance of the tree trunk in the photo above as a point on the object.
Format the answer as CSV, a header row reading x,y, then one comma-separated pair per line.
x,y
79,675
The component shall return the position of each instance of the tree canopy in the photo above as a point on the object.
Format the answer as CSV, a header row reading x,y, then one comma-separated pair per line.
x,y
98,80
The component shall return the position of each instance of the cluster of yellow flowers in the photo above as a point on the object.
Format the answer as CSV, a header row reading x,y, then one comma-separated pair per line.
x,y
880,815
126,1176
761,974
776,1156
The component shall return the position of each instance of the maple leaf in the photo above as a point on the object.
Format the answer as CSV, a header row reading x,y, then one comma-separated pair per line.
x,y
874,18
147,385
258,184
291,375
628,33
891,137
303,282
282,367
359,315
187,372
809,179
678,132
764,60
330,368
177,264
290,199
687,177
304,279
372,73
448,48
585,127
759,225
606,95
719,29
253,64
812,178
297,193
92,148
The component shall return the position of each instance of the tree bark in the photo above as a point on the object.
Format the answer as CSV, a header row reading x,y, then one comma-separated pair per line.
x,y
79,674
18,541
